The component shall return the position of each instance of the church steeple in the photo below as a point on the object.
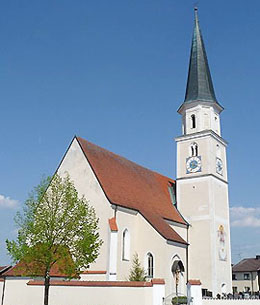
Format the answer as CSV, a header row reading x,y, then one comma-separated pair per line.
x,y
200,109
202,181
199,84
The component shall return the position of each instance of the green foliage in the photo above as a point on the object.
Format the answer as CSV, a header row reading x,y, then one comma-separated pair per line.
x,y
179,300
137,273
57,228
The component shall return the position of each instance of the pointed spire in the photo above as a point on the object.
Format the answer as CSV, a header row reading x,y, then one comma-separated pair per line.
x,y
199,84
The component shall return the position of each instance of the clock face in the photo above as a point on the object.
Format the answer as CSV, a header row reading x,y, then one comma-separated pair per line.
x,y
193,164
219,166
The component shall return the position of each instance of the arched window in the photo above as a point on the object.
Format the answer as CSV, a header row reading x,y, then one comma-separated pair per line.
x,y
126,245
193,121
194,149
149,265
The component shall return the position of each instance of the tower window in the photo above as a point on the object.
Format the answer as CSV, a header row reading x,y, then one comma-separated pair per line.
x,y
149,265
194,149
193,121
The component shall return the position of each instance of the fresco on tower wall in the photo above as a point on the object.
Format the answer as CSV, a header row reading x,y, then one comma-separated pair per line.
x,y
222,252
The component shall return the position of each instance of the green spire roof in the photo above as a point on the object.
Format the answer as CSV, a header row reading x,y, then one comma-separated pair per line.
x,y
199,84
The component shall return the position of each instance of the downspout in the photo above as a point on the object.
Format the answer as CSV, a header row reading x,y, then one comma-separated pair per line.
x,y
187,256
3,292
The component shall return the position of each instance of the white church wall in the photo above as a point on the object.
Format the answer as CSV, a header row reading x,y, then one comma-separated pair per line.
x,y
217,149
126,219
113,257
193,192
93,277
184,152
145,239
199,253
87,184
204,202
180,229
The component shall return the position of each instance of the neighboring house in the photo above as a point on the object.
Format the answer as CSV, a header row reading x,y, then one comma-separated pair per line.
x,y
246,275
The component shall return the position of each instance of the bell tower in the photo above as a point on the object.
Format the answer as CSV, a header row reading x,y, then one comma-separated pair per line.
x,y
202,183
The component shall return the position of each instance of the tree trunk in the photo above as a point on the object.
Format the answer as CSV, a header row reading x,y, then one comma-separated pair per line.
x,y
46,288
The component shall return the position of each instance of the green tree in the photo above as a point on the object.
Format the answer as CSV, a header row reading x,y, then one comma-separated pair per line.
x,y
137,273
56,230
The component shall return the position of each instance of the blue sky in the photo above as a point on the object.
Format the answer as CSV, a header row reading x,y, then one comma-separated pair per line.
x,y
114,72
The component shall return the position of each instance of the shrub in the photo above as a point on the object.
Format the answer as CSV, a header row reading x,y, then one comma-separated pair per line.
x,y
179,300
137,273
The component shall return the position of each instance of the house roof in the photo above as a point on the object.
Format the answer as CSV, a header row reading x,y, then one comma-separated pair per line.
x,y
22,269
132,186
247,265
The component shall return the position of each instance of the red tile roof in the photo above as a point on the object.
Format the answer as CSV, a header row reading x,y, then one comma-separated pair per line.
x,y
247,265
130,185
113,224
22,269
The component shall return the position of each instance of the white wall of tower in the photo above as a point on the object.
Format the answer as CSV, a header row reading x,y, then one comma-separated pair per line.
x,y
202,197
206,118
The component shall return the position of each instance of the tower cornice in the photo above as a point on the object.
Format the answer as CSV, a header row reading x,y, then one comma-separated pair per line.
x,y
201,134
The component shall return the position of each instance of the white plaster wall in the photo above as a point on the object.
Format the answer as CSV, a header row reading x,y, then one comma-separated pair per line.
x,y
93,277
207,149
194,294
144,239
202,198
19,293
181,230
86,184
204,203
112,259
207,118
100,295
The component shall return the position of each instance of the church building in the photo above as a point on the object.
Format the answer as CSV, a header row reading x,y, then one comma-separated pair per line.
x,y
179,228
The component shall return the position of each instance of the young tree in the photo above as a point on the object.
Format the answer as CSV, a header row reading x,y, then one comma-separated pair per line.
x,y
57,229
137,273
